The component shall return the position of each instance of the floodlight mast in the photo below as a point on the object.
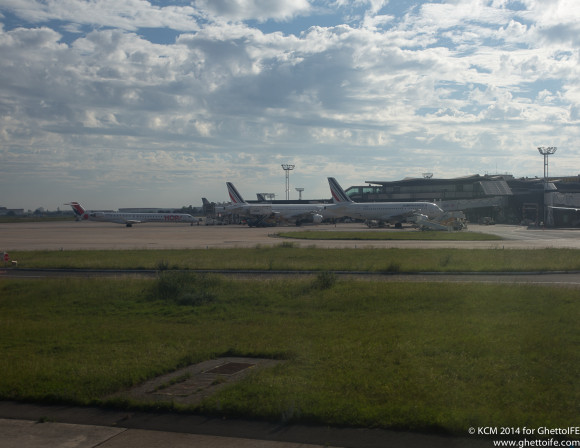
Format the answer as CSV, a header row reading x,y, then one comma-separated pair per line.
x,y
299,190
287,168
547,151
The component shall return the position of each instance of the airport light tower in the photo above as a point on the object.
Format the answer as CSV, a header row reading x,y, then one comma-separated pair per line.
x,y
547,151
287,168
299,190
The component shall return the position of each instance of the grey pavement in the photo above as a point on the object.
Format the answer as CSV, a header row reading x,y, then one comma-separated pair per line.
x,y
29,434
70,235
25,425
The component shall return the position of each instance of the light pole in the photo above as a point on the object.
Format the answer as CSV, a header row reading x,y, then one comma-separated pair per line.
x,y
287,168
546,151
268,196
299,190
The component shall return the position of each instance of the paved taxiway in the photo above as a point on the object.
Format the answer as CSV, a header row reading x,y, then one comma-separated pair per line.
x,y
71,235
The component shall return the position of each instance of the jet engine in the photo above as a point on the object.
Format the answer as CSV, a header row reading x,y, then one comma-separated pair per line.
x,y
317,219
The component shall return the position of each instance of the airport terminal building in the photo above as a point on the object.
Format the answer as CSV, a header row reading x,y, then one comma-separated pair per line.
x,y
501,197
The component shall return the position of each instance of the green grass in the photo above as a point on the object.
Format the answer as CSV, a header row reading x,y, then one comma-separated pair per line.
x,y
397,355
288,257
390,235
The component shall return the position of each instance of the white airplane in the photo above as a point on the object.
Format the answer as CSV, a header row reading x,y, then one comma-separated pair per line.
x,y
128,218
263,214
217,209
391,212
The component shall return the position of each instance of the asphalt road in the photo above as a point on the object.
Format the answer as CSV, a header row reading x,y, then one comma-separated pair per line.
x,y
72,235
563,279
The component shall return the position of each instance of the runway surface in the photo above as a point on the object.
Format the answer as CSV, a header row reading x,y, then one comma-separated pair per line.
x,y
72,235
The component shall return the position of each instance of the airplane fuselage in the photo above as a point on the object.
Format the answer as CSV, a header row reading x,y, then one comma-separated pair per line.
x,y
128,218
284,212
387,211
134,218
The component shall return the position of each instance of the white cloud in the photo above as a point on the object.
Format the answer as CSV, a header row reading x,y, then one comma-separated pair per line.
x,y
260,10
385,94
126,15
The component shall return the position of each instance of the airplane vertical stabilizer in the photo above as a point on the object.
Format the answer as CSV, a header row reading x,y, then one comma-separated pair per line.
x,y
235,196
338,194
78,209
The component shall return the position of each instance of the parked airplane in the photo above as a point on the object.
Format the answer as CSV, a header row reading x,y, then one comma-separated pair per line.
x,y
128,218
391,212
265,214
213,208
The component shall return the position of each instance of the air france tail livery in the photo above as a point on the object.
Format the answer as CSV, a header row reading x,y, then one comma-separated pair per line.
x,y
392,212
128,218
298,213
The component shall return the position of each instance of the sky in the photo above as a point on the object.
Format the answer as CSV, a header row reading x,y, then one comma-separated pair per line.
x,y
151,103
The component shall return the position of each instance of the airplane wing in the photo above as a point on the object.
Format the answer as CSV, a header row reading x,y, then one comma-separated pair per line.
x,y
313,215
564,208
263,210
404,216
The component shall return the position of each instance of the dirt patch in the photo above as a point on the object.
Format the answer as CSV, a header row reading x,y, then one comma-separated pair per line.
x,y
192,384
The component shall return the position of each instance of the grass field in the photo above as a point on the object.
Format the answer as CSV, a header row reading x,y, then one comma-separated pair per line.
x,y
421,357
288,257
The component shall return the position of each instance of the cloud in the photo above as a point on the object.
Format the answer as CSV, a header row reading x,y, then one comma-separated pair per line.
x,y
127,15
382,92
260,10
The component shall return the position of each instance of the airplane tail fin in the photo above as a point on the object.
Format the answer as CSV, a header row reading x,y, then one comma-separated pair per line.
x,y
77,209
235,196
338,194
208,208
